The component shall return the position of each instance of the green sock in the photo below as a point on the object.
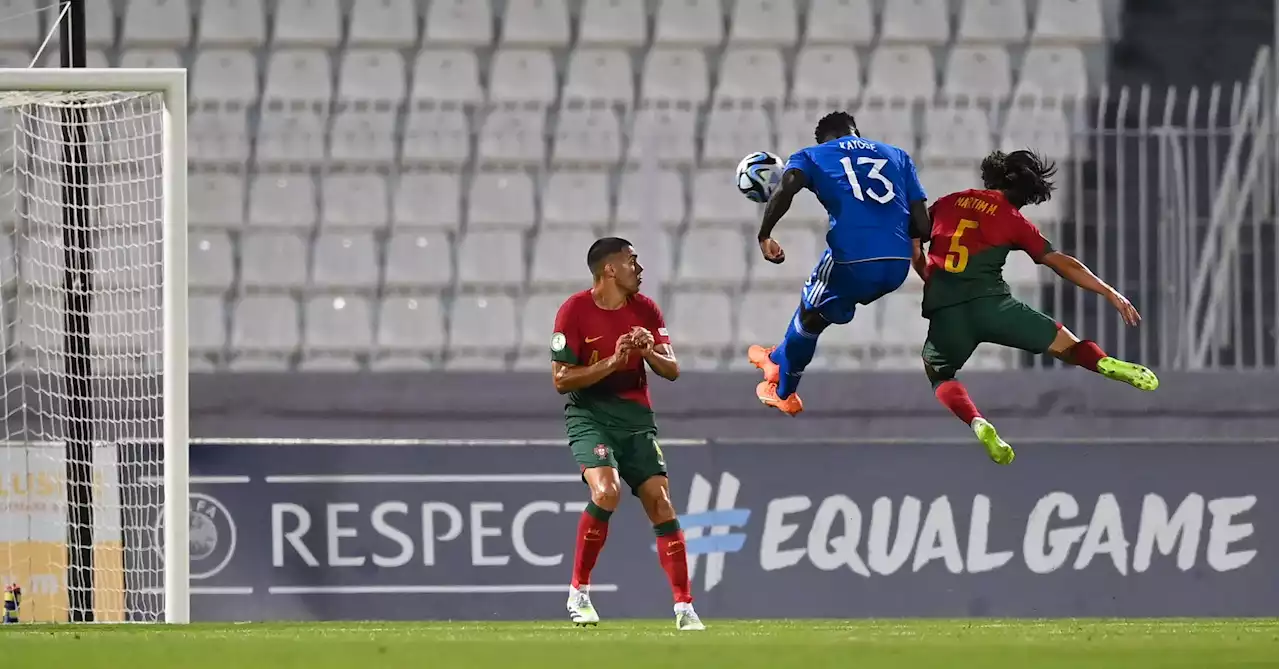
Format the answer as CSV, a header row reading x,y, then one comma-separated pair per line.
x,y
598,513
670,527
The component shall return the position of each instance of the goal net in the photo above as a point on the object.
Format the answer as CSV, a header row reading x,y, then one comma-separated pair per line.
x,y
92,350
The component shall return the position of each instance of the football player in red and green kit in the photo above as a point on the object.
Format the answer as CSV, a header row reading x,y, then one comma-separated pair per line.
x,y
967,301
604,338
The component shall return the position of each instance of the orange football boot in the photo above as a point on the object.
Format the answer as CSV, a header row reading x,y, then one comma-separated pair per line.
x,y
767,393
759,356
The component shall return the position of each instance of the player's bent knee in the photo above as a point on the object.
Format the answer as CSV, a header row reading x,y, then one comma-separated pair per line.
x,y
606,490
812,321
937,376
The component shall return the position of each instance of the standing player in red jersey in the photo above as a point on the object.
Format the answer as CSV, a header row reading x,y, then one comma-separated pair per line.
x,y
604,337
967,301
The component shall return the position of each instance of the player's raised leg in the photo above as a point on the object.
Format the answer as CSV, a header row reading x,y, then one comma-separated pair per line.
x,y
656,498
1087,354
951,340
601,475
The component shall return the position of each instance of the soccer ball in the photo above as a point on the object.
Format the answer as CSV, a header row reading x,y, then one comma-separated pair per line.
x,y
758,175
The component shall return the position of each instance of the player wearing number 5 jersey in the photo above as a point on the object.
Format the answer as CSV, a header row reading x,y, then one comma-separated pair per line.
x,y
876,207
967,301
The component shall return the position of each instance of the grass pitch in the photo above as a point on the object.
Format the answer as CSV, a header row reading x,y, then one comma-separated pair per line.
x,y
739,644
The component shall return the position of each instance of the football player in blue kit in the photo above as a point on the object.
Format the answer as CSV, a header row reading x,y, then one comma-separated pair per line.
x,y
877,213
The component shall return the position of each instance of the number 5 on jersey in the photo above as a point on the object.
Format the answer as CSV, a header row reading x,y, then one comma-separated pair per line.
x,y
958,254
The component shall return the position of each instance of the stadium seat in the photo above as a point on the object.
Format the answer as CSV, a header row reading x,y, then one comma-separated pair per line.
x,y
653,247
1020,270
100,23
284,200
901,325
645,196
807,210
150,58
436,137
763,22
866,329
978,73
894,124
410,324
840,22
803,247
224,75
216,200
698,321
52,58
265,324
763,315
500,200
731,133
315,23
21,26
537,322
587,137
291,137
712,257
513,137
939,181
459,23
795,129
698,23
337,323
353,201
427,200
558,259
159,23
418,261
719,203
665,136
211,259
273,260
218,137
826,76
301,75
386,23
998,21
482,325
232,23
1045,129
344,261
751,74
522,76
599,76
207,325
674,76
959,134
543,23
446,76
901,73
576,199
491,260
1052,74
915,22
360,137
1072,21
616,23
371,75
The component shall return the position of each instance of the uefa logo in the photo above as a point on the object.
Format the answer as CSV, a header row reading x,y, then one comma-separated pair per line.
x,y
212,536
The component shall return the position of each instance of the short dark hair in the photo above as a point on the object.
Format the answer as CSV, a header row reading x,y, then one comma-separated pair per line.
x,y
601,250
1023,175
836,123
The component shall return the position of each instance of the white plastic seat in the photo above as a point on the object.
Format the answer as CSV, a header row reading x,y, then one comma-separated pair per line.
x,y
657,197
1045,129
22,23
840,22
901,73
1020,270
282,201
301,75
157,23
751,74
999,21
291,137
491,260
829,75
150,58
587,137
384,23
1052,73
535,23
732,133
500,200
483,326
698,320
224,75
803,246
233,23
663,135
577,199
1074,21
459,22
363,137
795,129
978,72
52,58
100,23
522,76
427,200
763,315
537,322
956,134
436,137
618,23
674,76
513,137
763,22
939,181
207,324
216,199
689,23
211,261
344,261
865,330
915,22
599,76
411,324
901,325
341,323
892,124
653,249
718,201
559,258
357,201
272,260
265,324
712,257
371,75
421,260
308,23
446,76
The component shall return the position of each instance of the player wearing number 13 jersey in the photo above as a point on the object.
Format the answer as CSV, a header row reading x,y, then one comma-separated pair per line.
x,y
967,301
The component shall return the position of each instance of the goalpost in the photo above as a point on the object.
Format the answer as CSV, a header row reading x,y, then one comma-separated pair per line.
x,y
93,283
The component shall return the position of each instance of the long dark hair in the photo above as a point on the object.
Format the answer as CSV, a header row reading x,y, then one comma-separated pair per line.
x,y
1024,176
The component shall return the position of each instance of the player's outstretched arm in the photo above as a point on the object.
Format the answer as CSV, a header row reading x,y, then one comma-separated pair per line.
x,y
1076,272
570,378
793,181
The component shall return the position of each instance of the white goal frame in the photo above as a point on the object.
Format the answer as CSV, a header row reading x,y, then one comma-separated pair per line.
x,y
172,83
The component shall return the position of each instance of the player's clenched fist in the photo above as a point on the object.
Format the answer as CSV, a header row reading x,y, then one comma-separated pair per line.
x,y
642,339
622,349
772,250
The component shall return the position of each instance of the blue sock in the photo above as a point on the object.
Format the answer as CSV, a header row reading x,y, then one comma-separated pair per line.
x,y
792,356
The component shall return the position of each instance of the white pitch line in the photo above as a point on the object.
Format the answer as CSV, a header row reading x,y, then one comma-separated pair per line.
x,y
426,589
425,478
203,480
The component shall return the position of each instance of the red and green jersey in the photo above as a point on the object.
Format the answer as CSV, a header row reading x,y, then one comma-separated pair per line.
x,y
586,334
973,233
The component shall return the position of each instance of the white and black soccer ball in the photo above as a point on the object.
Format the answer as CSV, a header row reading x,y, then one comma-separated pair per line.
x,y
758,175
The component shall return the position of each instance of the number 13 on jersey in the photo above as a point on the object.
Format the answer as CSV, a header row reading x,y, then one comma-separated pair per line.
x,y
876,164
957,253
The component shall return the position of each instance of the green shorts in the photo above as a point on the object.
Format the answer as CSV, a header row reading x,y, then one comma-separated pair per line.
x,y
955,331
636,455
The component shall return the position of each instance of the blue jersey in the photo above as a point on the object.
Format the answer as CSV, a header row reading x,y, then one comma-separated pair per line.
x,y
866,187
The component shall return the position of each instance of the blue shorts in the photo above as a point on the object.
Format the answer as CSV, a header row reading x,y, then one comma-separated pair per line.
x,y
836,289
